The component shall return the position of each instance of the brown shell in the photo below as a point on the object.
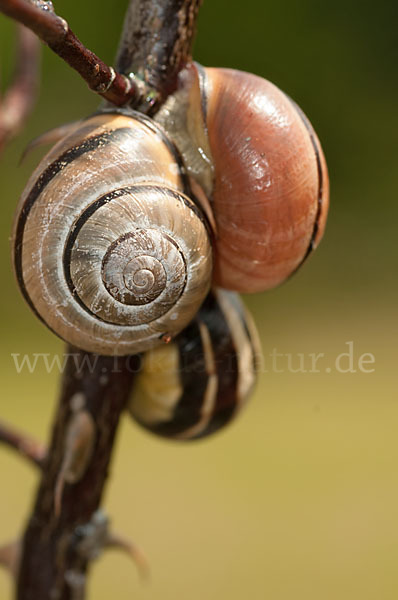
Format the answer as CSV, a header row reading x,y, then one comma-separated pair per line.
x,y
271,189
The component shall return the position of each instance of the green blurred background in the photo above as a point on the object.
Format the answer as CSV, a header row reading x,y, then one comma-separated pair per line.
x,y
298,499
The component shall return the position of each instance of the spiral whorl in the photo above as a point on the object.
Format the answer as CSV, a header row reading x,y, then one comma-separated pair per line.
x,y
134,274
120,251
121,255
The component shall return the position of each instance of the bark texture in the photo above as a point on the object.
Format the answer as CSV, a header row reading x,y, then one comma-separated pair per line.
x,y
52,564
157,42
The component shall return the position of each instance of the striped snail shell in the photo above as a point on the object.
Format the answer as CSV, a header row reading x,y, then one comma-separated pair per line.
x,y
109,250
263,170
195,385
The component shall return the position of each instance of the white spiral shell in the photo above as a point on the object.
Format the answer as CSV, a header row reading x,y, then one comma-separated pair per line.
x,y
109,250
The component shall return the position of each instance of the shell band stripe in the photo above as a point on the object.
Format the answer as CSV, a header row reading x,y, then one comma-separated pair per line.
x,y
227,364
320,181
249,336
195,380
172,148
44,179
210,395
236,304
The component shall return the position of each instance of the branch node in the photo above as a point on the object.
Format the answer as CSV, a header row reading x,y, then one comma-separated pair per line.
x,y
94,537
30,449
10,557
90,537
140,84
64,24
104,86
47,6
147,97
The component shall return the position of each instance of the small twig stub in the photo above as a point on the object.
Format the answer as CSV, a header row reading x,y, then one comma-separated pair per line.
x,y
55,32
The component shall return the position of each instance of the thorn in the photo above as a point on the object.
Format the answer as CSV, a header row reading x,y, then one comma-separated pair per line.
x,y
117,542
9,557
166,338
92,538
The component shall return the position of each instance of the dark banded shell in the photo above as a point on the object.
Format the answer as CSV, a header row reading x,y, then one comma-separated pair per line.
x,y
109,250
196,384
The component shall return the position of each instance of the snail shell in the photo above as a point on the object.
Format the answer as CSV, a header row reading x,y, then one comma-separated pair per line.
x,y
271,191
109,250
262,168
197,384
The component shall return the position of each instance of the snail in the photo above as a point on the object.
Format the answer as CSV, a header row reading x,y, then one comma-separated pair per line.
x,y
196,384
109,250
118,228
269,195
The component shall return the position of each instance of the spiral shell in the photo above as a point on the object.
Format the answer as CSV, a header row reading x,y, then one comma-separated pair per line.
x,y
198,383
109,250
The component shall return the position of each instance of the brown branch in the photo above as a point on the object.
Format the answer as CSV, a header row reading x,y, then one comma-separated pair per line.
x,y
27,447
54,31
20,97
95,388
51,560
157,43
